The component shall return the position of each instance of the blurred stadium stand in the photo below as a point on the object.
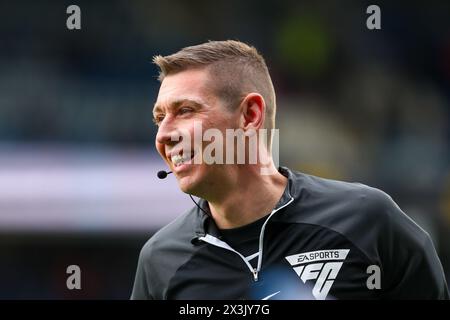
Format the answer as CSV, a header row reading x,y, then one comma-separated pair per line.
x,y
77,160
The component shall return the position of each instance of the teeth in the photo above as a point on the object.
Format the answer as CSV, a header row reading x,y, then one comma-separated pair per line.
x,y
178,159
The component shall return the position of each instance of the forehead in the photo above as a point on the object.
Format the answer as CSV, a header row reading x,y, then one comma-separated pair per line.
x,y
190,85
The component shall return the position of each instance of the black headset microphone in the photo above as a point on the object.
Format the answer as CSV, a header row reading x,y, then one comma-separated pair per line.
x,y
163,174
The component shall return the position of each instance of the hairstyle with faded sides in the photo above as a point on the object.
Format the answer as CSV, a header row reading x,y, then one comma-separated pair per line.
x,y
237,69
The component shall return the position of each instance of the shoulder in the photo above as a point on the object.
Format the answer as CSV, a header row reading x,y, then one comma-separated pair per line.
x,y
344,197
366,216
161,256
357,202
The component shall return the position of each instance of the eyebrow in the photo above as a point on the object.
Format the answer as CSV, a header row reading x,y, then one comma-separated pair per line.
x,y
175,104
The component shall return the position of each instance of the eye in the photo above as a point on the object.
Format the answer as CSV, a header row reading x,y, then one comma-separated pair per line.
x,y
158,119
184,110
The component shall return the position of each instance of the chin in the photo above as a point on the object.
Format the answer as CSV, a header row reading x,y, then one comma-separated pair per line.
x,y
192,184
187,185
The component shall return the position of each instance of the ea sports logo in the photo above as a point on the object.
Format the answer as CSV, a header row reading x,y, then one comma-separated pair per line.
x,y
307,268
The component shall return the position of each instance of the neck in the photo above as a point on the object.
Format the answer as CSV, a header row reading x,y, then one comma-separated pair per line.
x,y
249,196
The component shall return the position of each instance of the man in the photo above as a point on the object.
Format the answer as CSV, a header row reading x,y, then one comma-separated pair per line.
x,y
284,235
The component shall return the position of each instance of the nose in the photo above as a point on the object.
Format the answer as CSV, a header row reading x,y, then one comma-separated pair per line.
x,y
168,133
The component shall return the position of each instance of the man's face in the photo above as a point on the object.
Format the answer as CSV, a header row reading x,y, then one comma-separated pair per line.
x,y
183,98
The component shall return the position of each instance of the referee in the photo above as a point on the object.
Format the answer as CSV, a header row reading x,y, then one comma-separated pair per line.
x,y
253,235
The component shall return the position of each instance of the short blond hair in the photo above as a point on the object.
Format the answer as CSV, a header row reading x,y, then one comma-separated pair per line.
x,y
237,68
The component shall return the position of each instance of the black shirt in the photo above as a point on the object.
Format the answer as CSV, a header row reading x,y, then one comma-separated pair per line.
x,y
245,239
322,241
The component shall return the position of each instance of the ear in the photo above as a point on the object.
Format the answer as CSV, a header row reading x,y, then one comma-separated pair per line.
x,y
253,109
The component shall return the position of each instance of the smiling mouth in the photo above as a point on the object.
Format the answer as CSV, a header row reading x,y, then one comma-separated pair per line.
x,y
181,158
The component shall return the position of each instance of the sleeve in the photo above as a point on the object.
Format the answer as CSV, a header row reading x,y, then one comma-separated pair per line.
x,y
410,264
140,288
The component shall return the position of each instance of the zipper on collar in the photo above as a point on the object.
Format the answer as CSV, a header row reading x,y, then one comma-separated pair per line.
x,y
219,243
255,274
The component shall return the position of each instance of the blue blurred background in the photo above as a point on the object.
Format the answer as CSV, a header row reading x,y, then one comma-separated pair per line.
x,y
77,158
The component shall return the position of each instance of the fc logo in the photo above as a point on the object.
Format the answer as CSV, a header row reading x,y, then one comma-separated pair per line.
x,y
323,272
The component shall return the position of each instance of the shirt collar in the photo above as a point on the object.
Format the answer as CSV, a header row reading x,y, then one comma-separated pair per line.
x,y
205,224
